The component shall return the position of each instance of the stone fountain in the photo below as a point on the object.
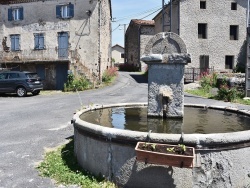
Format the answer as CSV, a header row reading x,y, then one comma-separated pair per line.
x,y
221,160
166,57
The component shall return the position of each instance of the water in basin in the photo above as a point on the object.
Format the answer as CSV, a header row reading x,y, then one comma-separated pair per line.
x,y
196,120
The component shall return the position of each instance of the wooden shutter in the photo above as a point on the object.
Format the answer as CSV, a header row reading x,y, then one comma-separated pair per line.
x,y
10,18
71,10
21,13
58,11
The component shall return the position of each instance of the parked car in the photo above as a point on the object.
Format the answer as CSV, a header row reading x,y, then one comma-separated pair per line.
x,y
20,83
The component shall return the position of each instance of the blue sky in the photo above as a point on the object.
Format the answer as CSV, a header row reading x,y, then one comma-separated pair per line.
x,y
125,10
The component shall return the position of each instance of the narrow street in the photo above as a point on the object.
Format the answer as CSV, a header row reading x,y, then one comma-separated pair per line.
x,y
30,125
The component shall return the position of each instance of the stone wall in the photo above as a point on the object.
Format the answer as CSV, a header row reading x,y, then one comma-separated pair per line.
x,y
218,16
89,34
137,36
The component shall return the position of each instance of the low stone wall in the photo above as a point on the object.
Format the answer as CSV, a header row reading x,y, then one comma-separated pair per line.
x,y
233,80
222,160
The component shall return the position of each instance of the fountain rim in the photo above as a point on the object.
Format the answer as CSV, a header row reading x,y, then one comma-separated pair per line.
x,y
214,141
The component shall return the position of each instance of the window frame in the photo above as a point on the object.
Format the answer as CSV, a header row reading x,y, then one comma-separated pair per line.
x,y
40,39
15,38
227,62
233,5
15,14
203,4
202,30
63,9
234,32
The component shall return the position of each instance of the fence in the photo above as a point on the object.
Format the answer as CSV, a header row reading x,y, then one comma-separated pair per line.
x,y
194,74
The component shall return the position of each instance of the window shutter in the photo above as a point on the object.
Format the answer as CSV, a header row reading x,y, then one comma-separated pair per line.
x,y
41,41
58,11
12,40
36,41
17,43
21,13
71,10
10,18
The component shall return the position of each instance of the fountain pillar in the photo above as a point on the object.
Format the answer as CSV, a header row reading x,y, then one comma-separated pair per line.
x,y
166,56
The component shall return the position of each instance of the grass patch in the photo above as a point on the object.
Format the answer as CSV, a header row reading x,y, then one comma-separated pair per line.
x,y
203,93
200,92
61,165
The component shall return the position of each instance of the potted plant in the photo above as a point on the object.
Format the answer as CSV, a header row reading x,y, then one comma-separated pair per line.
x,y
165,154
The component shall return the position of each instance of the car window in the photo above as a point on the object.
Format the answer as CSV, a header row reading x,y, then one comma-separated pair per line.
x,y
32,75
13,75
2,76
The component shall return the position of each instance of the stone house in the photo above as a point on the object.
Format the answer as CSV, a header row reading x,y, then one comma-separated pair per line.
x,y
213,31
137,36
118,54
54,38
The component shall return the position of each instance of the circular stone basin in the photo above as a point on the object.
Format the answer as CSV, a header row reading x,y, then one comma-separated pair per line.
x,y
196,120
221,159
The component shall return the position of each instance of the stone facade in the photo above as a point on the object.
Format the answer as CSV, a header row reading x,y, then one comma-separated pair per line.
x,y
216,19
137,36
75,36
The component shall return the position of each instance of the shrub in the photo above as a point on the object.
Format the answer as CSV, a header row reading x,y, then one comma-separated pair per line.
x,y
227,94
76,84
128,67
109,75
208,81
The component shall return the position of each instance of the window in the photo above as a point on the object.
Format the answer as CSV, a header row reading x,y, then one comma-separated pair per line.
x,y
3,76
15,14
65,11
13,75
202,4
39,41
122,55
204,63
234,32
229,62
233,6
202,31
15,42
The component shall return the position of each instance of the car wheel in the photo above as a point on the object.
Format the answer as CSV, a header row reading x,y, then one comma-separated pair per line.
x,y
21,92
36,92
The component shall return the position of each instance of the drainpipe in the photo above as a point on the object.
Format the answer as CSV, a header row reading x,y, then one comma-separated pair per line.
x,y
179,17
99,40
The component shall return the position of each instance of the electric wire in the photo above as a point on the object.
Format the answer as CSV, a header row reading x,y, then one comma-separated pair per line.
x,y
137,14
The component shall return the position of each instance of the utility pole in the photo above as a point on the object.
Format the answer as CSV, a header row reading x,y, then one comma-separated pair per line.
x,y
163,19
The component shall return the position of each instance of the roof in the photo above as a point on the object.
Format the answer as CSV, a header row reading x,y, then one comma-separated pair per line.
x,y
118,46
143,22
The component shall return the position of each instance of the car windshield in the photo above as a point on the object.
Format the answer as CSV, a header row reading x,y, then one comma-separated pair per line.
x,y
32,75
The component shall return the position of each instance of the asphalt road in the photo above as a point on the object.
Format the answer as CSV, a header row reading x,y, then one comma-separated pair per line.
x,y
30,125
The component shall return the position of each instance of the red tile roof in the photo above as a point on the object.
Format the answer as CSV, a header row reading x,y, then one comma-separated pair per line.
x,y
143,22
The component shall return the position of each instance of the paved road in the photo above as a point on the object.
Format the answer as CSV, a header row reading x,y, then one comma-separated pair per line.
x,y
31,124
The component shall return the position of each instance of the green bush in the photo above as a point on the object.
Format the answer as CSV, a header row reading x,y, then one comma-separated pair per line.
x,y
109,75
208,81
227,94
76,84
